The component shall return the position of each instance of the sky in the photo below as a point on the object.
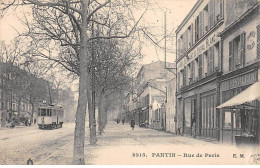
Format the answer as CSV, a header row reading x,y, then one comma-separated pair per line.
x,y
175,10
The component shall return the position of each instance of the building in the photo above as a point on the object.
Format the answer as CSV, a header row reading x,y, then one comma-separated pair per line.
x,y
198,66
218,57
170,107
146,104
240,68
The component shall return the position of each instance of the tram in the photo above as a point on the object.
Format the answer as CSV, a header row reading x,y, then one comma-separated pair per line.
x,y
50,116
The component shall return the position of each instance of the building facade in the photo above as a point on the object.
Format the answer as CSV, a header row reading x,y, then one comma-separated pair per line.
x,y
146,104
240,68
218,48
198,66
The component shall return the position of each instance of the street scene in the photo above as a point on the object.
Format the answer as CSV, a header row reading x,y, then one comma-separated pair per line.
x,y
118,82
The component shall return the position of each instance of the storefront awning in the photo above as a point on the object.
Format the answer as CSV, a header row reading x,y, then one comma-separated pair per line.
x,y
248,95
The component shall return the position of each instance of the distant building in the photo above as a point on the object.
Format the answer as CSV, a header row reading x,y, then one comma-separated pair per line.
x,y
146,103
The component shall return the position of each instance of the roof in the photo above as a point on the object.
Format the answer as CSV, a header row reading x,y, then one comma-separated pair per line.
x,y
153,63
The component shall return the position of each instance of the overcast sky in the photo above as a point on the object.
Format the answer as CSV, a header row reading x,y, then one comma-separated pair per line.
x,y
175,10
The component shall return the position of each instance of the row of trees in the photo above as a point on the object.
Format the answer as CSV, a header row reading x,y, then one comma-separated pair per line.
x,y
97,41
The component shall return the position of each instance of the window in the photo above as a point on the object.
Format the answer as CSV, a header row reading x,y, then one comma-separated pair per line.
x,y
184,76
216,55
190,35
201,28
237,52
42,112
191,77
210,61
196,69
218,10
157,114
206,18
205,63
197,29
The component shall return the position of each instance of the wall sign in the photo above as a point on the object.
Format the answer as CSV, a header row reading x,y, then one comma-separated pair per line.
x,y
251,40
236,82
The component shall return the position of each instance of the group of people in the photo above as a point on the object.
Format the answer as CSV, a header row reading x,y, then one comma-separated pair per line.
x,y
132,123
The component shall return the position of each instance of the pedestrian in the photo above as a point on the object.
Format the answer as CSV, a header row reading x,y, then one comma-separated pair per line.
x,y
193,125
133,124
117,121
29,161
123,121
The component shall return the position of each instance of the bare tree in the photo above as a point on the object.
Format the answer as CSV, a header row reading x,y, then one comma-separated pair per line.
x,y
117,21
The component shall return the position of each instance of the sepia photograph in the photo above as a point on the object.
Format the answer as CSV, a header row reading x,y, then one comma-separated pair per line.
x,y
129,82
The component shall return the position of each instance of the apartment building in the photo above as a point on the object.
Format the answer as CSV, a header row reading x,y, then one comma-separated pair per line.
x,y
217,65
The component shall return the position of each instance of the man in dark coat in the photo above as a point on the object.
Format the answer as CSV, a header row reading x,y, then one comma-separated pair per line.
x,y
133,124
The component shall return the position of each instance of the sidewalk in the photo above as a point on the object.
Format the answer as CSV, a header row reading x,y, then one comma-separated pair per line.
x,y
124,146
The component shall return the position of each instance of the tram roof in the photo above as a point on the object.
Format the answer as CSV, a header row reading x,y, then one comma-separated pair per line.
x,y
50,107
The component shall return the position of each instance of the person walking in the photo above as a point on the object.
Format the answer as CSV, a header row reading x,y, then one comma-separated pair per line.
x,y
123,121
133,124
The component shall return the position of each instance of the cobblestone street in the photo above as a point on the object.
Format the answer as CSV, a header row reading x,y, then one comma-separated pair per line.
x,y
118,145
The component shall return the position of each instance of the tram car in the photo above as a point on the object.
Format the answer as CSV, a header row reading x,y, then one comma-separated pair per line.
x,y
50,117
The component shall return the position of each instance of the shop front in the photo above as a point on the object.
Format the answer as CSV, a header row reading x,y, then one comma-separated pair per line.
x,y
240,109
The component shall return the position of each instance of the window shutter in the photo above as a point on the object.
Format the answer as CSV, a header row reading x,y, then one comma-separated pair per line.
x,y
242,49
210,14
219,55
212,59
230,55
191,34
184,76
221,9
213,13
200,66
258,41
209,61
200,24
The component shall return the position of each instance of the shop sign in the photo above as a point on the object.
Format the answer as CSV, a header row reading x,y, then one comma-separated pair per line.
x,y
200,49
236,82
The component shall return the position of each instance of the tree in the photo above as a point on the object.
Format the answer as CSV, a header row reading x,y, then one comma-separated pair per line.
x,y
117,21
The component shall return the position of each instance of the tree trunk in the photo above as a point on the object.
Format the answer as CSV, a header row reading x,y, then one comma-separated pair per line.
x,y
18,110
84,93
32,120
3,118
101,113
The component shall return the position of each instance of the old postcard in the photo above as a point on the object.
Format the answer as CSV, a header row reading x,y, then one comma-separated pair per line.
x,y
140,82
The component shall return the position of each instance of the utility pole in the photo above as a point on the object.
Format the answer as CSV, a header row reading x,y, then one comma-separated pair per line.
x,y
165,31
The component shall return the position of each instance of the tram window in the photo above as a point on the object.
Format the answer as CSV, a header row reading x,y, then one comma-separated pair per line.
x,y
42,112
54,113
48,112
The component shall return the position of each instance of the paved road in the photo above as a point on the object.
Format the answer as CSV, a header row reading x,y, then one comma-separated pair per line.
x,y
20,144
118,145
